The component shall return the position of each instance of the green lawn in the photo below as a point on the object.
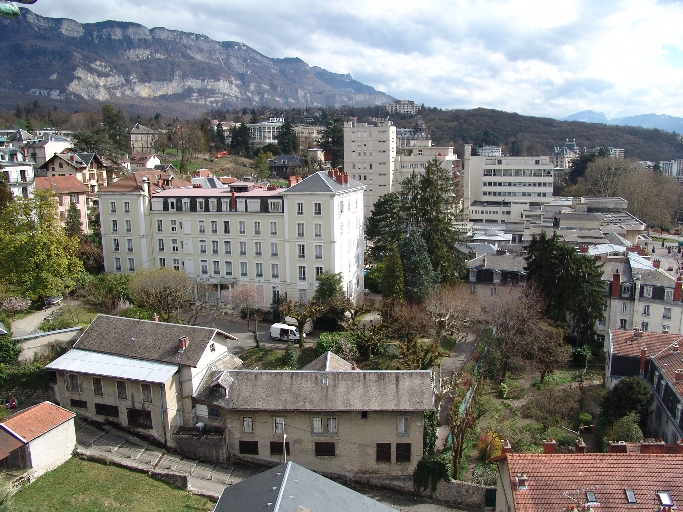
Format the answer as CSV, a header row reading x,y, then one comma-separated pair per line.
x,y
80,485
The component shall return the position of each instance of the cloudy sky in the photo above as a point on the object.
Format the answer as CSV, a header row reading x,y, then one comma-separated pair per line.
x,y
534,57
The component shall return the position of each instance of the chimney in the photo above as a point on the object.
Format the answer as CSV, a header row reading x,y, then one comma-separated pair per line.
x,y
330,173
549,446
656,263
291,181
678,289
484,260
155,317
678,376
521,481
353,365
637,333
580,446
73,158
233,201
643,358
183,342
145,186
618,447
583,248
506,446
616,284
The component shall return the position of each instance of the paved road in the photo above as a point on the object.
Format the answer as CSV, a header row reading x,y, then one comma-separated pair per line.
x,y
29,324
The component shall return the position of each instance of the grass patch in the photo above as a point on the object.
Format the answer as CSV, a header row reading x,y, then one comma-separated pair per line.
x,y
80,485
306,355
69,316
263,358
558,378
447,343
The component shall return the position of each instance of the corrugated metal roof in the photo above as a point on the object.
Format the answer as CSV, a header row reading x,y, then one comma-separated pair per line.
x,y
107,365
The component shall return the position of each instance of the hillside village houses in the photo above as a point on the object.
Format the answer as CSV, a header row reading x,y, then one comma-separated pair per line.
x,y
279,240
68,190
89,168
17,172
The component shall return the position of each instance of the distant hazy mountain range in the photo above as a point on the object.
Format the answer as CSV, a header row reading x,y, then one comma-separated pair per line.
x,y
662,122
64,62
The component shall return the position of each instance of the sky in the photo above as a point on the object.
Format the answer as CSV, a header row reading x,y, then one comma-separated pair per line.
x,y
533,57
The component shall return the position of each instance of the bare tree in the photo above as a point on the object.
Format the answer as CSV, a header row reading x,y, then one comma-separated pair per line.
x,y
652,197
548,348
604,175
452,309
246,298
301,311
163,291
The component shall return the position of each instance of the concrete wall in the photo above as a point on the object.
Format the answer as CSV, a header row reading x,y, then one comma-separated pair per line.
x,y
38,344
355,441
52,448
205,447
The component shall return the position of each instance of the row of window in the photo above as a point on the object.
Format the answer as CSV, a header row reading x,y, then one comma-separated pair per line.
x,y
329,449
539,173
518,184
320,425
516,194
138,418
74,384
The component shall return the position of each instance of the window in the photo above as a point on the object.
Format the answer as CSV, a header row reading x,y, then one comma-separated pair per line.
x,y
248,447
275,270
647,291
247,425
331,426
200,205
214,246
242,227
403,423
176,264
131,264
278,425
243,248
318,230
646,309
302,272
81,404
214,413
243,269
126,207
273,228
299,208
226,227
227,248
202,246
107,410
117,264
160,244
214,227
174,225
318,251
129,244
318,272
121,389
129,226
300,229
317,209
204,267
257,227
624,307
403,452
139,418
259,269
202,227
97,386
258,249
146,393
590,497
383,452
668,294
112,207
667,313
216,266
665,499
644,326
186,205
74,383
324,449
228,268
317,425
114,226
622,323
630,496
162,262
301,250
273,249
116,244
276,447
160,226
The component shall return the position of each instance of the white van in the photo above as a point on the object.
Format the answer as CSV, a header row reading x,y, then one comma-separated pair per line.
x,y
284,332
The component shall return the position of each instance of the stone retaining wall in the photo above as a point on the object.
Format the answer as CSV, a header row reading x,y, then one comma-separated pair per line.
x,y
39,344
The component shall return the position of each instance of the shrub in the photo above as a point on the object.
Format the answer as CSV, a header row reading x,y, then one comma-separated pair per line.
x,y
15,304
291,357
625,429
432,469
56,324
489,445
515,391
585,419
341,343
136,312
502,390
553,406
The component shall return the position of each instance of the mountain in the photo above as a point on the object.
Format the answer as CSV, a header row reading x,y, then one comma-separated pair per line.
x,y
69,63
661,122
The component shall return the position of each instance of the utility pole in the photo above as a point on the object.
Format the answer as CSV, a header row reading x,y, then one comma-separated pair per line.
x,y
284,441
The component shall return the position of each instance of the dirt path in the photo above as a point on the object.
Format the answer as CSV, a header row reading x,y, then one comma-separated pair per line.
x,y
29,324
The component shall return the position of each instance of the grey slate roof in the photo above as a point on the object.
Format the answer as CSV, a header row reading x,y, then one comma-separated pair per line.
x,y
287,487
144,339
299,390
507,262
320,182
329,361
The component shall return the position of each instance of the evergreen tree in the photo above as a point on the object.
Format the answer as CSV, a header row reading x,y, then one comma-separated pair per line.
x,y
418,275
332,140
6,196
240,141
261,164
220,136
631,395
392,277
329,287
72,224
291,358
287,139
116,129
384,228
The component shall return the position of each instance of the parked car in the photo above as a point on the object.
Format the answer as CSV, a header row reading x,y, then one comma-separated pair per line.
x,y
53,301
284,332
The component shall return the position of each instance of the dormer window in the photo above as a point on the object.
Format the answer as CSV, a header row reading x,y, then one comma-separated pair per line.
x,y
630,496
665,499
647,291
590,498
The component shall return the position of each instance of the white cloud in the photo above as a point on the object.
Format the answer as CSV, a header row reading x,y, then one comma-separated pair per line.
x,y
528,56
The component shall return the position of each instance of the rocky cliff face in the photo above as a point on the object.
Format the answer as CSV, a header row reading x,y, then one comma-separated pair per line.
x,y
126,63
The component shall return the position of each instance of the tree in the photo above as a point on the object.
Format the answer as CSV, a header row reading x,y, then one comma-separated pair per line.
x,y
329,287
393,287
625,429
302,312
246,298
652,197
106,291
384,228
72,224
15,304
549,350
332,140
261,164
116,128
452,309
6,196
93,141
605,174
35,253
579,165
240,140
630,395
9,350
287,139
570,283
166,292
418,275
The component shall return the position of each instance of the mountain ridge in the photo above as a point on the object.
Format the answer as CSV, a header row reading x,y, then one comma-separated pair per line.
x,y
659,121
129,64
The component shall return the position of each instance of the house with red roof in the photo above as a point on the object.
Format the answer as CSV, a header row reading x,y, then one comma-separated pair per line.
x,y
68,190
37,439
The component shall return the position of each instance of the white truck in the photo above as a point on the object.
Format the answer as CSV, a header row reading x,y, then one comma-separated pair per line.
x,y
284,332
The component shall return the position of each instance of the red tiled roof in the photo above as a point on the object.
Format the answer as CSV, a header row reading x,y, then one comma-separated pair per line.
x,y
35,421
61,184
557,481
133,182
626,343
670,361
